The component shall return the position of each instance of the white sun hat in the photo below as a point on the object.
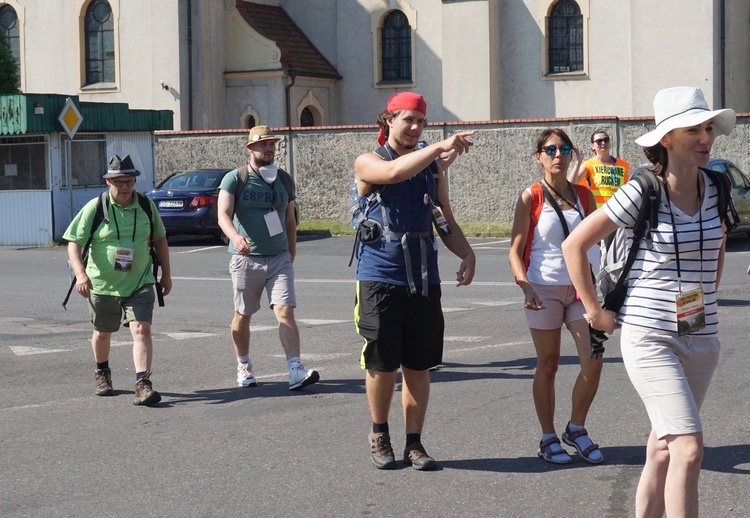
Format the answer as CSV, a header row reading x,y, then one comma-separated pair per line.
x,y
684,107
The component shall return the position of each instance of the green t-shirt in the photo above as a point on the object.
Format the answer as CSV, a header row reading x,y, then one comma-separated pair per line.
x,y
258,199
100,268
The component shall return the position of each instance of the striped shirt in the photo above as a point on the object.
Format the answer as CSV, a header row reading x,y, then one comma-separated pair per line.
x,y
652,282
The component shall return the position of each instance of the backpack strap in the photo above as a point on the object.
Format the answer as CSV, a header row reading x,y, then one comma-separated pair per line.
x,y
101,214
727,210
583,194
145,204
242,174
646,219
537,200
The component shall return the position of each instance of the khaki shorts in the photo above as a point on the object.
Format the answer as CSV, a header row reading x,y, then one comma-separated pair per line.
x,y
251,274
561,306
109,311
671,374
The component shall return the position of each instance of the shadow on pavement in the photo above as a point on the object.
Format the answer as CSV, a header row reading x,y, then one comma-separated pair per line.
x,y
722,459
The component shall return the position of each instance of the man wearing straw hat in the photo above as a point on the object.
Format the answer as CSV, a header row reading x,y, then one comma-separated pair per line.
x,y
256,213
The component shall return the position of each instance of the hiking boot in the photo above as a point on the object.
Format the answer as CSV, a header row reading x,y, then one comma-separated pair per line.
x,y
416,456
104,382
381,451
299,377
245,377
145,393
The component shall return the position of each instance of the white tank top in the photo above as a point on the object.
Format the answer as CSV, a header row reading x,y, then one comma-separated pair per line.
x,y
546,263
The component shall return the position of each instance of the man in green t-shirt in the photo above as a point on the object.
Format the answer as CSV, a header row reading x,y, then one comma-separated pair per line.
x,y
262,230
117,279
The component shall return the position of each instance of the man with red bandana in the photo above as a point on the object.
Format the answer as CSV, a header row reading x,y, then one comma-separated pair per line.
x,y
397,310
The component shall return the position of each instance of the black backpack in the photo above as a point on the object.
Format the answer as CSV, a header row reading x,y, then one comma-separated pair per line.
x,y
102,214
612,279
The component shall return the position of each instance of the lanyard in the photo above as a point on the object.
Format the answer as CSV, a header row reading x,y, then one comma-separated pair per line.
x,y
674,232
135,220
573,204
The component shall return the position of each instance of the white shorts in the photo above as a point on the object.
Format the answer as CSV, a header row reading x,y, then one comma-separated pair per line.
x,y
671,374
251,274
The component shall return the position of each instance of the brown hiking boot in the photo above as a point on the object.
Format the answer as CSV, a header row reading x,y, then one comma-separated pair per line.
x,y
416,457
144,392
104,382
381,451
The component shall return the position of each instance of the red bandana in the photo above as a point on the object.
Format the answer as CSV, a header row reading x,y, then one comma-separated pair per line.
x,y
403,101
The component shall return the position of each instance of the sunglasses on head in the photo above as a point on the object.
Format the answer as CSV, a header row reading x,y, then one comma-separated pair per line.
x,y
601,141
552,150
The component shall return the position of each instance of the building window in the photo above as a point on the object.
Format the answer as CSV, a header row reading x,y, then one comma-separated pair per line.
x,y
248,122
565,38
87,160
23,163
396,48
10,32
99,34
306,118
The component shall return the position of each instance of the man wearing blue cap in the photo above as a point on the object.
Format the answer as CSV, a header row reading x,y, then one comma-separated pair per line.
x,y
117,277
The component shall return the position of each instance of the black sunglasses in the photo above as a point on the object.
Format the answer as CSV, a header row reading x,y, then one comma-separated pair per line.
x,y
601,141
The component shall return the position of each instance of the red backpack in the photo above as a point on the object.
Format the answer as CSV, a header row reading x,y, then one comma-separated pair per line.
x,y
537,201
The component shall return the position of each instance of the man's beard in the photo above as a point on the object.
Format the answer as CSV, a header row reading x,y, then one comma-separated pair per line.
x,y
400,144
262,162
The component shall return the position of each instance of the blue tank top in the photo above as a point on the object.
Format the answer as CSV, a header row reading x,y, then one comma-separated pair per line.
x,y
406,212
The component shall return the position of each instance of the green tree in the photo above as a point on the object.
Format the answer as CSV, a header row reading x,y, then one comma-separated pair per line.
x,y
9,77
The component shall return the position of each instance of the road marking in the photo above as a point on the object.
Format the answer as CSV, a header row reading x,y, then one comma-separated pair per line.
x,y
498,303
453,310
322,356
339,281
187,336
20,350
465,338
479,348
200,249
318,322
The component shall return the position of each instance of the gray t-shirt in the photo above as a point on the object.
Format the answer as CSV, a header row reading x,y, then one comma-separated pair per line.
x,y
258,199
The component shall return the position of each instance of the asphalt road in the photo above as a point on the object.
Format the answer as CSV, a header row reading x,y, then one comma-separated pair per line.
x,y
212,449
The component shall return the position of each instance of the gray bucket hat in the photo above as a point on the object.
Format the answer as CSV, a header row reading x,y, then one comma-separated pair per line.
x,y
121,167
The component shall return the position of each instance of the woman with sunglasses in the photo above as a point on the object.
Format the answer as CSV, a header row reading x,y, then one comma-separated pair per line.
x,y
603,173
669,319
549,297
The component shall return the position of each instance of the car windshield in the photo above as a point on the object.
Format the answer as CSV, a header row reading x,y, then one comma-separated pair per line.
x,y
193,180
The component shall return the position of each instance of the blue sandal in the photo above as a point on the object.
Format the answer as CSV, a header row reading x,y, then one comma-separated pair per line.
x,y
555,457
569,437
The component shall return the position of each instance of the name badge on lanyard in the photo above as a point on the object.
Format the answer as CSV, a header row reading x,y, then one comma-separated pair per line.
x,y
691,313
124,259
273,223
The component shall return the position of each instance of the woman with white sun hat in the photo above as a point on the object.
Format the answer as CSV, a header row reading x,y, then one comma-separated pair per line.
x,y
670,363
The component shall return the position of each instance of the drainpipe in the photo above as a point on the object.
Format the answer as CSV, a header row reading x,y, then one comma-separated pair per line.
x,y
190,62
293,76
722,51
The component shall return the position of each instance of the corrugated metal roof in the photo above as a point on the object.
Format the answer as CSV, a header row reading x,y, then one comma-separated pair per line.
x,y
18,117
297,51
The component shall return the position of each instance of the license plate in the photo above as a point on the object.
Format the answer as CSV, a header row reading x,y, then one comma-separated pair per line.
x,y
170,203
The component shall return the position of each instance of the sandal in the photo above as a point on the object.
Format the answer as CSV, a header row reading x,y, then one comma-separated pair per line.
x,y
555,457
569,437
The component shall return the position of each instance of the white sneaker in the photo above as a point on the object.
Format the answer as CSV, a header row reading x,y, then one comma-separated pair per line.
x,y
299,377
245,376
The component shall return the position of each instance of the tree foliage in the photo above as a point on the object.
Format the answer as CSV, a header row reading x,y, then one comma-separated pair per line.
x,y
9,77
